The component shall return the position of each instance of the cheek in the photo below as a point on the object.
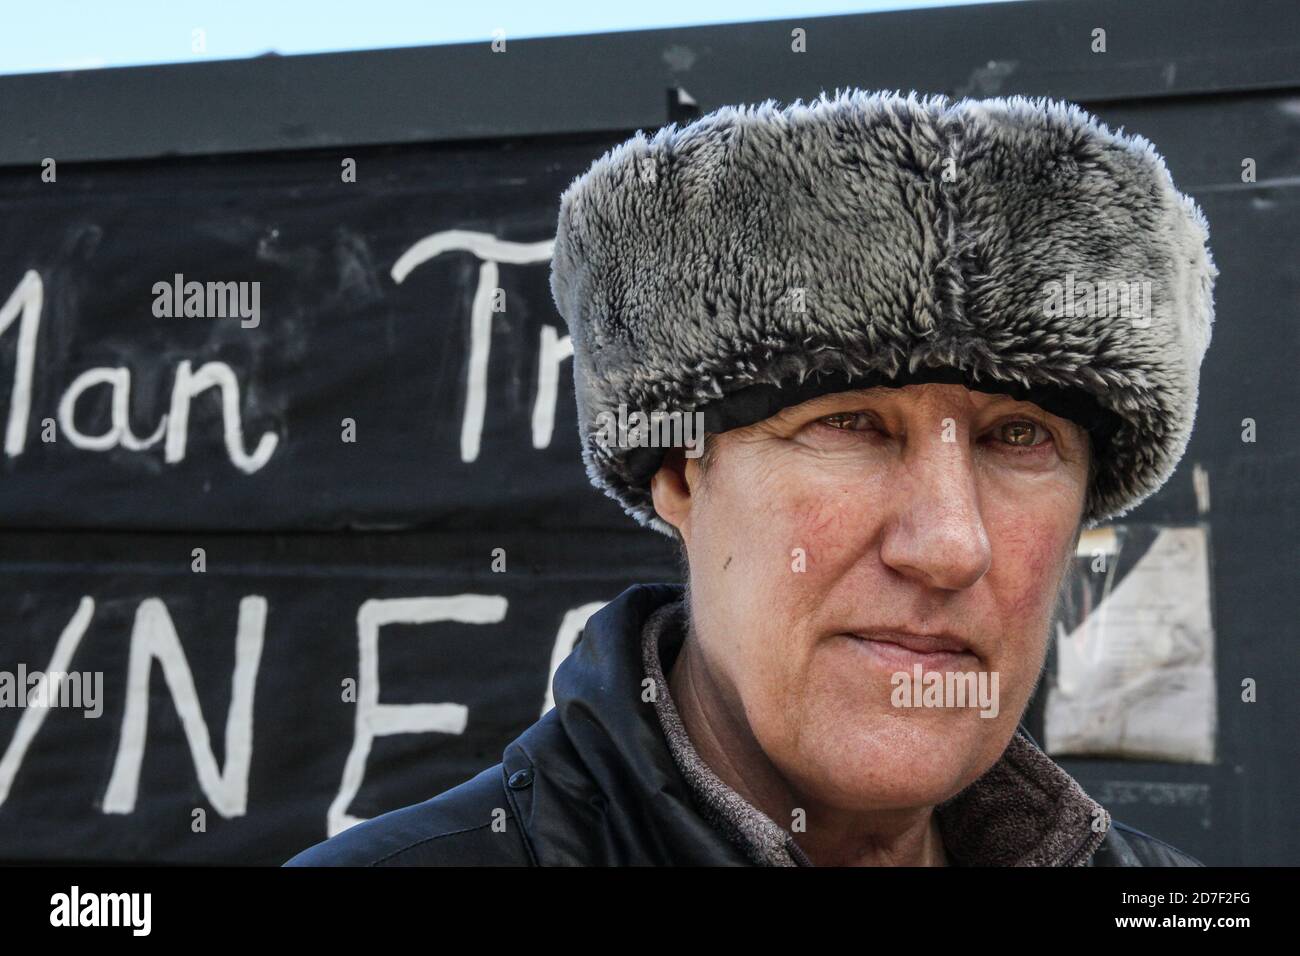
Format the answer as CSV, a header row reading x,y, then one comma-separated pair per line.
x,y
792,534
824,515
1030,556
1025,583
776,517
774,537
740,566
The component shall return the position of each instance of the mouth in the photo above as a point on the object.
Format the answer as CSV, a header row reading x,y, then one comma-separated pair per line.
x,y
902,650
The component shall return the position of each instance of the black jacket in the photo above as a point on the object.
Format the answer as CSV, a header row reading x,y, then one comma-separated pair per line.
x,y
594,782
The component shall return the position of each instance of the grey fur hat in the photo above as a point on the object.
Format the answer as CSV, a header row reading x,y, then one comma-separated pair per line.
x,y
761,256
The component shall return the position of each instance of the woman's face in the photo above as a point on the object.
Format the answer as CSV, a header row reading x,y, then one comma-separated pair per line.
x,y
819,534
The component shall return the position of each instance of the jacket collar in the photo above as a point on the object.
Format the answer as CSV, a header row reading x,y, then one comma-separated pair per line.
x,y
615,764
764,841
604,788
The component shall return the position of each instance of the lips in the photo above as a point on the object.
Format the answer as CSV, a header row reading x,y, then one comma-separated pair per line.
x,y
920,643
903,649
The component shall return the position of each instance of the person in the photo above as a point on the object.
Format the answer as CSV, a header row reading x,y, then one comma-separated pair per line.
x,y
927,343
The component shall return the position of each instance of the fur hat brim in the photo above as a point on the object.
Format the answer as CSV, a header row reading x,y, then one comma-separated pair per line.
x,y
877,238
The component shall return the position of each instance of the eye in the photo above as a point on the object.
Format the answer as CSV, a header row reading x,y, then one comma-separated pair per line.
x,y
848,421
1023,433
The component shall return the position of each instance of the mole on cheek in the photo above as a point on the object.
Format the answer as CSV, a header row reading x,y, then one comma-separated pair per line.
x,y
727,564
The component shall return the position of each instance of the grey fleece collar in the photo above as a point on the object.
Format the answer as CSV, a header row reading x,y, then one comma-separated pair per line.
x,y
1024,811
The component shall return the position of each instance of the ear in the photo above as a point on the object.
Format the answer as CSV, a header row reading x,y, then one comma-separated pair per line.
x,y
670,488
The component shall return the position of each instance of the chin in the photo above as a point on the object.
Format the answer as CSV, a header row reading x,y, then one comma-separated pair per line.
x,y
895,764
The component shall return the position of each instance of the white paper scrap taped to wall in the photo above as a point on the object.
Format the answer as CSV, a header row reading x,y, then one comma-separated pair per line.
x,y
1135,678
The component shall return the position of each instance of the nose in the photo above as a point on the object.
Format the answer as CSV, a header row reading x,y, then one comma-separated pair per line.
x,y
937,536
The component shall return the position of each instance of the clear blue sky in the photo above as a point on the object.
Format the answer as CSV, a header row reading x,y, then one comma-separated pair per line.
x,y
38,35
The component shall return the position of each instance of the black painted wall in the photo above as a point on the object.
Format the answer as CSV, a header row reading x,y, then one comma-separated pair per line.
x,y
230,171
